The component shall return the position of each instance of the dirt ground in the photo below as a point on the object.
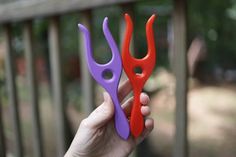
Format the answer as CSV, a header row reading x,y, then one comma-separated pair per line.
x,y
211,111
212,119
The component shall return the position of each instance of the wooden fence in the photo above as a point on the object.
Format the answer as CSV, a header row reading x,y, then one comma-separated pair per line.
x,y
25,12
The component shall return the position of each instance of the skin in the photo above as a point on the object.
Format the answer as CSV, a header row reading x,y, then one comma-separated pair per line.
x,y
96,136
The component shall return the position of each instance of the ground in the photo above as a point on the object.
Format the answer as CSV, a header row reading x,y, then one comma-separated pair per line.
x,y
212,120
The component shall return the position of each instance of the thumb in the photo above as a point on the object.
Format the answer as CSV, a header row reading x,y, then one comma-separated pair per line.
x,y
102,114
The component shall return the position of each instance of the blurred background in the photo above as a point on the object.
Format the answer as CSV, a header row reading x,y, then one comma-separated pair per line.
x,y
46,89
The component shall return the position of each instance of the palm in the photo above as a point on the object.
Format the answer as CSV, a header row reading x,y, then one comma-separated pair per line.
x,y
109,143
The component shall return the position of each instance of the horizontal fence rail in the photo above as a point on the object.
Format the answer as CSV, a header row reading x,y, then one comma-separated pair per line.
x,y
25,12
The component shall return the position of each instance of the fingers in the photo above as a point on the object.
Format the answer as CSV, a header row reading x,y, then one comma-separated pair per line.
x,y
149,122
145,110
149,125
144,99
127,106
101,115
124,90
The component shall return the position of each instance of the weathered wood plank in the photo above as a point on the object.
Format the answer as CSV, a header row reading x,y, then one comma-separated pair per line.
x,y
22,10
2,136
57,84
12,94
33,88
180,68
86,79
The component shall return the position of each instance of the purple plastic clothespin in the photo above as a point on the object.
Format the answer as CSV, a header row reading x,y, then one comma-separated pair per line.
x,y
114,66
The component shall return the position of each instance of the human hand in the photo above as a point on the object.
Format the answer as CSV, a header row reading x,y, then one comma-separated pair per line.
x,y
97,137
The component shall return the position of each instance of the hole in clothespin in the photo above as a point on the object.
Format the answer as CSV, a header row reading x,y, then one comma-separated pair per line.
x,y
107,74
138,70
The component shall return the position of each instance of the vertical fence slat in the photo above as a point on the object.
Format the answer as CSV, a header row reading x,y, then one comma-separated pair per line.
x,y
86,80
2,137
33,88
57,84
12,94
180,68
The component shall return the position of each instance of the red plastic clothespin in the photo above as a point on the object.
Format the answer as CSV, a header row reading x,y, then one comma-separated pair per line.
x,y
137,80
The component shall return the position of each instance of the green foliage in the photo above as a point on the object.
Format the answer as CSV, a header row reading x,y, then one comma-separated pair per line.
x,y
210,19
69,34
102,52
40,34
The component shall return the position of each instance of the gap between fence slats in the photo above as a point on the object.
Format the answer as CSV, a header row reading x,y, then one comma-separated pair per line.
x,y
127,8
